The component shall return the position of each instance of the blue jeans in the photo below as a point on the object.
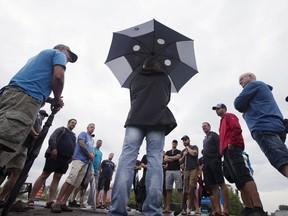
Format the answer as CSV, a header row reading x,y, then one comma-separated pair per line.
x,y
273,146
124,175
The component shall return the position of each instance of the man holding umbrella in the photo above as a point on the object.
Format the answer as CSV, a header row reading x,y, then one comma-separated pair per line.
x,y
150,118
165,55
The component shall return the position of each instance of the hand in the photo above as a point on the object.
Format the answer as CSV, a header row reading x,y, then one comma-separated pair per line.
x,y
35,136
53,154
91,157
57,103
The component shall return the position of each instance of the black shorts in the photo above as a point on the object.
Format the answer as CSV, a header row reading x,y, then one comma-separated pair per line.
x,y
236,166
104,182
55,166
213,173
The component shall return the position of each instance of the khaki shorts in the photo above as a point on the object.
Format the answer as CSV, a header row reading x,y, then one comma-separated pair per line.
x,y
14,159
190,179
18,112
77,173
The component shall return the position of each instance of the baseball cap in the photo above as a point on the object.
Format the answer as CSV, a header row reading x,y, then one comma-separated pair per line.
x,y
43,112
185,137
219,106
74,57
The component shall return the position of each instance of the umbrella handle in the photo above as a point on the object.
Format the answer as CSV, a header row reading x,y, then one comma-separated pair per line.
x,y
54,110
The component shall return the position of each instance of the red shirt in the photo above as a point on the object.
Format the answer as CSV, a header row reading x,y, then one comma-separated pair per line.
x,y
230,132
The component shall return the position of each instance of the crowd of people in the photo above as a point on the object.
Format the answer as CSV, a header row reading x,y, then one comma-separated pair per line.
x,y
149,118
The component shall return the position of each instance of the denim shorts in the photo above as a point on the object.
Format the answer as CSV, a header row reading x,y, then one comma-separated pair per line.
x,y
236,166
273,146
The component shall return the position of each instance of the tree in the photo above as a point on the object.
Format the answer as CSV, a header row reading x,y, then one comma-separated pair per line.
x,y
283,207
235,206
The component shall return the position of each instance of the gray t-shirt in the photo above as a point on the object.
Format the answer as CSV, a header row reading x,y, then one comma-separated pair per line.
x,y
191,162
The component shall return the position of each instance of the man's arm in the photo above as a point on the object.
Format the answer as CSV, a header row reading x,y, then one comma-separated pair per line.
x,y
84,149
182,158
54,136
57,86
172,158
241,103
236,130
192,152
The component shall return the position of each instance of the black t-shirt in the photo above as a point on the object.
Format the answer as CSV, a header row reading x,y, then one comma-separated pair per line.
x,y
173,165
191,163
107,168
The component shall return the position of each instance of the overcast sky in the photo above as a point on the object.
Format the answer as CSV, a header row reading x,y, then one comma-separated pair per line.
x,y
230,38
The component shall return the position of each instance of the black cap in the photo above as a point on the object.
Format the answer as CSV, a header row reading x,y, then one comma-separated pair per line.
x,y
219,106
74,57
185,137
43,112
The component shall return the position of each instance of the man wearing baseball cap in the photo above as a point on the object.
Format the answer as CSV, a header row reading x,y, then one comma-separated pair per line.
x,y
232,146
189,156
28,90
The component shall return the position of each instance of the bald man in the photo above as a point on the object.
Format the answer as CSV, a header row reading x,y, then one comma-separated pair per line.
x,y
264,120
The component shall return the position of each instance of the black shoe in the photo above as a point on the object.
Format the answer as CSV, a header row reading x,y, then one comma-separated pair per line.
x,y
258,212
65,208
56,208
73,204
246,212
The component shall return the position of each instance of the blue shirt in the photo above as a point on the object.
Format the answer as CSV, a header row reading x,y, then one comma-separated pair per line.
x,y
89,144
97,159
259,108
36,76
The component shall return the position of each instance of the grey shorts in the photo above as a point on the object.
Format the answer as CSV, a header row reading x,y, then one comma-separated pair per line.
x,y
77,173
172,176
18,112
14,159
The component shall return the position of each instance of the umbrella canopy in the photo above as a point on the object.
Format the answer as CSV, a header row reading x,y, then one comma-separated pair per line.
x,y
132,46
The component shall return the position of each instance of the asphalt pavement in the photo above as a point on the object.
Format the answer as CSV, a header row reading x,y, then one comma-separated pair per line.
x,y
39,210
